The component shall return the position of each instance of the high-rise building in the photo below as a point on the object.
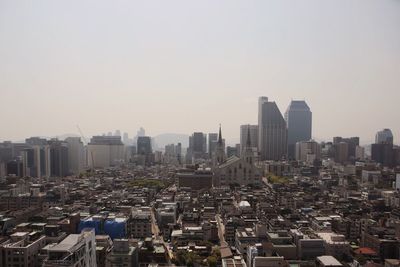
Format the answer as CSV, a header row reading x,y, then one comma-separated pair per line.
x,y
105,151
125,138
141,132
341,152
308,151
383,153
173,153
360,153
212,143
36,161
144,145
298,118
197,147
59,166
384,137
244,131
272,131
36,157
76,155
144,151
352,143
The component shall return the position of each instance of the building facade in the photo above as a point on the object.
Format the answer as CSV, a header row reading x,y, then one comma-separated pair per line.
x,y
272,137
298,118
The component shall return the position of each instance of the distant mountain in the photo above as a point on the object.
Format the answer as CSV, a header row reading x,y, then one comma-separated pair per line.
x,y
161,140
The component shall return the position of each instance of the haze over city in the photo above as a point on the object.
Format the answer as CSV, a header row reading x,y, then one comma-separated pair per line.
x,y
212,133
183,66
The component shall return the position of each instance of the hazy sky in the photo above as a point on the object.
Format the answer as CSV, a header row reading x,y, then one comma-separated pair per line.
x,y
184,66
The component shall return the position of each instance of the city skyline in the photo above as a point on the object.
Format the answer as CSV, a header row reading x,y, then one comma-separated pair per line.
x,y
152,65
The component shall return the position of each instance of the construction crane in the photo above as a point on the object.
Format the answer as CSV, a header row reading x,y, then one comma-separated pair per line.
x,y
91,152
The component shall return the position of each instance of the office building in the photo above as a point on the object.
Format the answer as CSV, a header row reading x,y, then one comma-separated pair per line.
x,y
173,154
197,149
298,118
341,152
360,153
36,161
384,137
145,151
105,151
352,144
272,131
74,250
59,165
144,145
76,155
212,143
308,151
383,153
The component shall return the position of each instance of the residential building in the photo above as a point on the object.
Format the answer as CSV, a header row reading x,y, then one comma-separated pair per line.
x,y
75,250
123,254
22,249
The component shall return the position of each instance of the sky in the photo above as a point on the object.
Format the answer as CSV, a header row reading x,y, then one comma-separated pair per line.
x,y
185,66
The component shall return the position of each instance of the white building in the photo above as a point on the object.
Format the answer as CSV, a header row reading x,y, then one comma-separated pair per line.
x,y
335,245
105,151
308,151
76,250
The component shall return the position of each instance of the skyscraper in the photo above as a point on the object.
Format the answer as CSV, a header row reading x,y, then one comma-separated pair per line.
x,y
298,118
76,155
384,137
58,158
144,145
382,151
212,143
272,131
36,158
197,149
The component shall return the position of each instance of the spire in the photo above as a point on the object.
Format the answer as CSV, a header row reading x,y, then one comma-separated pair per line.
x,y
248,141
220,136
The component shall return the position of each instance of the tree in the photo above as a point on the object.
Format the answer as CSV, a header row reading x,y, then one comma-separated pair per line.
x,y
212,261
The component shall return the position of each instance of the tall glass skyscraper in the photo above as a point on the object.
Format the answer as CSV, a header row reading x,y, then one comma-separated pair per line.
x,y
272,137
298,118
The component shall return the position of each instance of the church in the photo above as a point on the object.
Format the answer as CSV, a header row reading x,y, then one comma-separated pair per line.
x,y
235,170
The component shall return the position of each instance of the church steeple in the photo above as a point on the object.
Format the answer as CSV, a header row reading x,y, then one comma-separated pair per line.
x,y
247,153
220,136
219,156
